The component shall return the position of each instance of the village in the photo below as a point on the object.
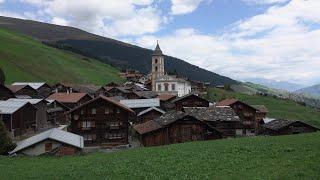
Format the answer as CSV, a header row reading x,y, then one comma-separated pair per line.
x,y
147,110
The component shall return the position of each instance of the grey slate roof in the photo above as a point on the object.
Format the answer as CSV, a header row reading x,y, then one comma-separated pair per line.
x,y
213,113
141,103
146,94
186,96
150,109
10,107
170,117
34,85
32,101
53,134
277,124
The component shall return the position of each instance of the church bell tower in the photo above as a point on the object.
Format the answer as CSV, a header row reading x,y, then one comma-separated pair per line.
x,y
157,66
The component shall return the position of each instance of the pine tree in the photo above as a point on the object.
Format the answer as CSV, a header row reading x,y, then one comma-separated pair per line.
x,y
6,144
2,77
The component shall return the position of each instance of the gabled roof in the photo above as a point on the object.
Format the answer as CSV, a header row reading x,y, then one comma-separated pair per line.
x,y
108,100
53,134
186,96
166,97
122,89
147,127
261,108
146,94
16,88
32,101
141,103
150,109
213,113
281,123
227,102
34,85
67,97
10,107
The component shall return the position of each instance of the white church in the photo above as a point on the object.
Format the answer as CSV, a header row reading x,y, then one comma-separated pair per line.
x,y
163,83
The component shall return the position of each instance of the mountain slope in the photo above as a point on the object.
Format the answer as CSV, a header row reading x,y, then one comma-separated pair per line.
x,y
281,157
25,59
108,50
276,84
312,90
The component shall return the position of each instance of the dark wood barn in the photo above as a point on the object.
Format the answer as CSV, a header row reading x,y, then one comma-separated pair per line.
x,y
251,117
18,117
148,115
57,112
223,119
5,93
43,89
286,127
101,121
24,91
70,100
166,101
190,100
123,92
174,127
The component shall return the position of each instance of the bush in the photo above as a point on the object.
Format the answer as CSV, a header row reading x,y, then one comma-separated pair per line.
x,y
6,144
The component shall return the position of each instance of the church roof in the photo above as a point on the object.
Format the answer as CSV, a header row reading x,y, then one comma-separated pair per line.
x,y
157,51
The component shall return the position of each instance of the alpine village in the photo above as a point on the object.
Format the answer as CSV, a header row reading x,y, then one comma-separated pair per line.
x,y
153,109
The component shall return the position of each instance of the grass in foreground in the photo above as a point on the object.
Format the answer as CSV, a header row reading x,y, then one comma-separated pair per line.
x,y
278,108
25,59
283,157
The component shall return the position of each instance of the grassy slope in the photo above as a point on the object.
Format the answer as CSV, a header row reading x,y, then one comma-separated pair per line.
x,y
24,59
283,157
277,108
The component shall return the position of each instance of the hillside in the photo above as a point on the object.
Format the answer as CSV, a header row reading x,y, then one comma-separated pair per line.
x,y
25,59
278,108
312,90
283,157
107,50
288,86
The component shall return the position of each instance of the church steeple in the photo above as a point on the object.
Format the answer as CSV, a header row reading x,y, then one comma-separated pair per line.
x,y
157,51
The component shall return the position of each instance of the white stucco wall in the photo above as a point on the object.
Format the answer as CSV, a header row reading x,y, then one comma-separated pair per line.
x,y
181,88
39,149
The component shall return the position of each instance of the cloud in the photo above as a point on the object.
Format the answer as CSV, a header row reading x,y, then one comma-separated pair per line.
x,y
265,1
184,6
273,45
114,18
2,1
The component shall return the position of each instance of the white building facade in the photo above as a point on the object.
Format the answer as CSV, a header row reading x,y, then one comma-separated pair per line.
x,y
172,85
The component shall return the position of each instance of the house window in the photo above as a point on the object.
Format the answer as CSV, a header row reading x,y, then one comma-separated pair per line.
x,y
93,111
106,110
114,135
88,124
173,87
48,147
166,86
159,87
82,112
118,111
89,137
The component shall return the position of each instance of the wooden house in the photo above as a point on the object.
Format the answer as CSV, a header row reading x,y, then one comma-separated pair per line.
x,y
123,92
25,91
62,87
41,112
166,101
223,119
57,112
43,89
51,142
18,117
90,89
286,127
251,117
70,100
174,127
5,93
189,100
148,115
101,121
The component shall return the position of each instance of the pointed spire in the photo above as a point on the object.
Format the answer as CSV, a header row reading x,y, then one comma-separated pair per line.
x,y
157,51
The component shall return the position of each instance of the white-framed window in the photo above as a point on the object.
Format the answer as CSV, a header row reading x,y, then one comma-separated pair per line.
x,y
93,111
88,124
173,87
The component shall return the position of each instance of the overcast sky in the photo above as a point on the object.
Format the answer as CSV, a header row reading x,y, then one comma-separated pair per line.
x,y
272,39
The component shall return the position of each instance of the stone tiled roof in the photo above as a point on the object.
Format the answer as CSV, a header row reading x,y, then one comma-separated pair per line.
x,y
261,108
278,124
67,97
186,96
213,113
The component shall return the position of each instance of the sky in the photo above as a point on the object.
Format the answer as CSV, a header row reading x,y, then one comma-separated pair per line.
x,y
242,39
